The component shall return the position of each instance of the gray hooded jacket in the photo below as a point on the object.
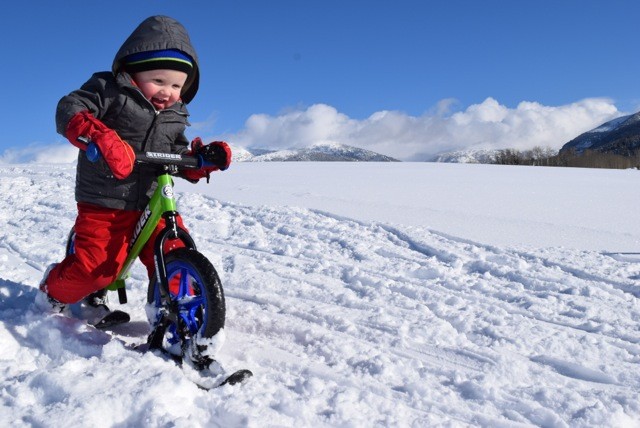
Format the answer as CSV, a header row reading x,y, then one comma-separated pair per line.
x,y
118,103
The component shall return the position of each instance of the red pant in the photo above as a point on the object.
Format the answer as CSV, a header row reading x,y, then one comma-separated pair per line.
x,y
102,240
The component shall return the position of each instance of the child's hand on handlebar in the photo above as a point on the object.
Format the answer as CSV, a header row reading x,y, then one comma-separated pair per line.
x,y
118,155
217,153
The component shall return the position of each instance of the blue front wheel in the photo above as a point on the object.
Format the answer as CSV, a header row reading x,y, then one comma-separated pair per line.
x,y
198,305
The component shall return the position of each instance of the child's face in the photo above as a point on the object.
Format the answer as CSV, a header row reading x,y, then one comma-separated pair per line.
x,y
161,87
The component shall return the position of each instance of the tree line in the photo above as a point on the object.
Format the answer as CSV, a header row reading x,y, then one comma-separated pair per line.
x,y
546,156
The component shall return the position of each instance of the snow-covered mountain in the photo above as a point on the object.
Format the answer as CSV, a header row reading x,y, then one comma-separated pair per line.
x,y
618,136
466,156
320,152
240,154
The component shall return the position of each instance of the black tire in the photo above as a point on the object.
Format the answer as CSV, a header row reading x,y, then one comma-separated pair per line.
x,y
203,311
71,242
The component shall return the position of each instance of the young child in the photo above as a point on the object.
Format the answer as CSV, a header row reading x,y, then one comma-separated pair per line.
x,y
138,106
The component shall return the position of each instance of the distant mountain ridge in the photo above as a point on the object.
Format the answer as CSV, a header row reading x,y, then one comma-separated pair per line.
x,y
619,136
321,152
466,156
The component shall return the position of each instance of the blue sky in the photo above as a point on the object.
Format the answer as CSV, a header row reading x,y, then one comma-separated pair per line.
x,y
408,77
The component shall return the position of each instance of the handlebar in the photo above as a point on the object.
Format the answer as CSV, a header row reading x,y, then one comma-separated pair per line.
x,y
181,161
155,158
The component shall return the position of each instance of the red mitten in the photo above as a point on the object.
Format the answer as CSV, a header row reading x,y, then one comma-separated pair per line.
x,y
116,152
216,155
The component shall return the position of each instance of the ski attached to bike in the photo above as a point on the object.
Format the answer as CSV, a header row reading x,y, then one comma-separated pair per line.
x,y
208,377
208,382
112,319
99,315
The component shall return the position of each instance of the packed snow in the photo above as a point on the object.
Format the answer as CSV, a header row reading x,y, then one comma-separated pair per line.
x,y
369,294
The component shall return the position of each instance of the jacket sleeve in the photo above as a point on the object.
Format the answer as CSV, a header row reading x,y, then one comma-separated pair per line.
x,y
92,96
181,145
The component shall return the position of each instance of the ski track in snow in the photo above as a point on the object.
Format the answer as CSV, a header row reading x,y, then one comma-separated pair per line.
x,y
344,323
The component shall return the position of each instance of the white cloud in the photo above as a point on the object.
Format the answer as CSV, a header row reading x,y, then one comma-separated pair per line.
x,y
40,153
487,125
298,128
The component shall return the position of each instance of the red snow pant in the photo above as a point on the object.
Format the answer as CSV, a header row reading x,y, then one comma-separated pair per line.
x,y
102,240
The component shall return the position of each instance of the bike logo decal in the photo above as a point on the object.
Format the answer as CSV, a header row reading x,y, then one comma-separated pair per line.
x,y
144,218
170,156
167,192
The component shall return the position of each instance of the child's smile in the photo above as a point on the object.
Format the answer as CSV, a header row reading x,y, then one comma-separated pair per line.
x,y
159,103
161,87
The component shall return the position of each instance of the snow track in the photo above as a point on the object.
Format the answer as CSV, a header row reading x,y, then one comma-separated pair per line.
x,y
343,322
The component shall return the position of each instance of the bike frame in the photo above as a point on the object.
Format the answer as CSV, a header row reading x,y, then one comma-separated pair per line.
x,y
161,205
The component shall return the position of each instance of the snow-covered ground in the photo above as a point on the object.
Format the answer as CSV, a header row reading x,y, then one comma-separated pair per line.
x,y
359,294
491,204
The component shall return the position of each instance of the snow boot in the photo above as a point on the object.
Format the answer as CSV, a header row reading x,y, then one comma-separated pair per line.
x,y
99,298
46,303
43,301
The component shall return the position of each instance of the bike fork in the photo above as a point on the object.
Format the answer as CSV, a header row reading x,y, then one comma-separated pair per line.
x,y
170,231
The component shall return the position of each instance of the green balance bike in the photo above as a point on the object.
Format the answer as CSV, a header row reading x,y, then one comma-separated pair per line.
x,y
185,299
